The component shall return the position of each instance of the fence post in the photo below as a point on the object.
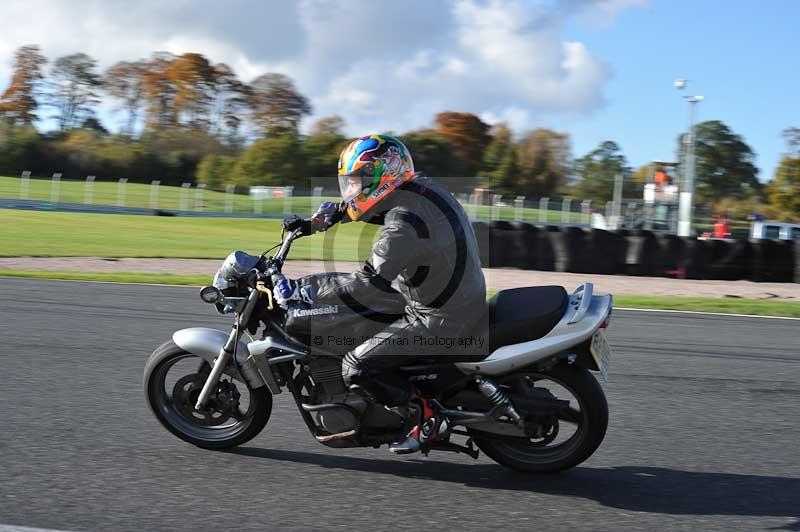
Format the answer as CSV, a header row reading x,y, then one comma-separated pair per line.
x,y
198,196
88,190
287,200
586,211
121,192
184,199
543,205
24,184
55,188
257,201
229,190
473,206
519,206
496,200
566,204
154,193
317,195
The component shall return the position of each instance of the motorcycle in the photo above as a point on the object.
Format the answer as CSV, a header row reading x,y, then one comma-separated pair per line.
x,y
528,399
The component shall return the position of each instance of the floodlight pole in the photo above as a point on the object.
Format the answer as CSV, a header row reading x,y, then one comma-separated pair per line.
x,y
686,199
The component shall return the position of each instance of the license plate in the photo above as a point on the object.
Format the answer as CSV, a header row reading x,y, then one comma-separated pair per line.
x,y
601,352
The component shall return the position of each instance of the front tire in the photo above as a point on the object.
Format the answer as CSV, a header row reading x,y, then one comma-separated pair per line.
x,y
172,404
520,455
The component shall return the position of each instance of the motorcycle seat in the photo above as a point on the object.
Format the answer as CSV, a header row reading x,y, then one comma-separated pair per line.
x,y
523,314
515,316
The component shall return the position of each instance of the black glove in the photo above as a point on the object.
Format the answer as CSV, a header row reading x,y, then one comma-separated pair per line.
x,y
290,223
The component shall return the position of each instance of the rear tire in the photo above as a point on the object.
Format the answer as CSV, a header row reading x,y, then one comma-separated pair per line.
x,y
206,436
594,407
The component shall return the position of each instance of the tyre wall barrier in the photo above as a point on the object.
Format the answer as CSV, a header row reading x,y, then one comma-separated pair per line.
x,y
737,263
773,261
606,252
523,246
569,248
482,235
694,261
797,261
501,250
671,256
641,254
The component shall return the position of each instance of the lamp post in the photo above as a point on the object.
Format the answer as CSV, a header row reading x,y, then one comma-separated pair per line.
x,y
686,201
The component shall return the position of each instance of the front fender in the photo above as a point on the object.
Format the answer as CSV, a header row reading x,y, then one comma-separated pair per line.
x,y
207,344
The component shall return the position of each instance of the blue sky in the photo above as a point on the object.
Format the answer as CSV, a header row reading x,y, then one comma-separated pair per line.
x,y
596,69
743,56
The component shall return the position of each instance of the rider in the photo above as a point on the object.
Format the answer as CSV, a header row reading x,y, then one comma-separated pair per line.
x,y
426,248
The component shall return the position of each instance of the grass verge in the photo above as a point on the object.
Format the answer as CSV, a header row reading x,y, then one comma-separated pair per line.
x,y
756,307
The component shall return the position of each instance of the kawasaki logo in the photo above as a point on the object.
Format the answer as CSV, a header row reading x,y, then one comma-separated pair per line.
x,y
302,312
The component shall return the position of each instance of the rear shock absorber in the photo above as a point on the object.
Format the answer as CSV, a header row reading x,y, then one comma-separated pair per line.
x,y
499,398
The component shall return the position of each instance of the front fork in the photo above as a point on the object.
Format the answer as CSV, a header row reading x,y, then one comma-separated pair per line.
x,y
220,364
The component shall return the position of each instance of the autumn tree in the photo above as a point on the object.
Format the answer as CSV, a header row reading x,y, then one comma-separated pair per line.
x,y
500,159
159,92
433,154
542,163
467,134
597,171
193,81
18,102
276,106
723,163
123,82
74,86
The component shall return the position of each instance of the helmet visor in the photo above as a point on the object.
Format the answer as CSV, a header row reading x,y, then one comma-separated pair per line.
x,y
351,185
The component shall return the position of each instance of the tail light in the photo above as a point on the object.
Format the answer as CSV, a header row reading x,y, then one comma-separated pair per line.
x,y
606,322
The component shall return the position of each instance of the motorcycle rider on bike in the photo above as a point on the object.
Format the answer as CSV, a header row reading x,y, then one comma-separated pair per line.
x,y
426,248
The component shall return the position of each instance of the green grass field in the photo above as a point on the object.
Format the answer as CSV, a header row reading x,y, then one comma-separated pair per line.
x,y
57,234
169,198
696,304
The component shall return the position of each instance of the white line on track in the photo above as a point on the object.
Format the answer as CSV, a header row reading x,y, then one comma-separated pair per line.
x,y
14,528
630,309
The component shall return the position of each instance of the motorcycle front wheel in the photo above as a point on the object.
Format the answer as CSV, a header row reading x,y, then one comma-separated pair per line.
x,y
235,413
566,439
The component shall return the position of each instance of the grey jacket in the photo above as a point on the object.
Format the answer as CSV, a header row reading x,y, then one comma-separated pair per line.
x,y
427,250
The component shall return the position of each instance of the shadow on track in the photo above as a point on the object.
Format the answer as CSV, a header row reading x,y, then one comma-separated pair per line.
x,y
640,489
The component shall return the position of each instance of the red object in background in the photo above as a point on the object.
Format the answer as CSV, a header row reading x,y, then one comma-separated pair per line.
x,y
721,228
661,178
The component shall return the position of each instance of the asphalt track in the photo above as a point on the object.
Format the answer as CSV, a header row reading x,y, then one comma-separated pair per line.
x,y
704,435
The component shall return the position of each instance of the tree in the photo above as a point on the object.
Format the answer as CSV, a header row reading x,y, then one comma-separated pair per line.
x,y
321,153
784,189
432,154
194,81
230,103
276,105
723,163
159,92
123,81
74,89
500,159
216,170
329,125
597,171
271,161
467,134
542,161
18,102
792,137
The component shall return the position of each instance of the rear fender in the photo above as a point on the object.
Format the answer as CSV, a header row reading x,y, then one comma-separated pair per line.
x,y
585,314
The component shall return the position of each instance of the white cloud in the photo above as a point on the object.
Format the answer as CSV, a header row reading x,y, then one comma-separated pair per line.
x,y
382,66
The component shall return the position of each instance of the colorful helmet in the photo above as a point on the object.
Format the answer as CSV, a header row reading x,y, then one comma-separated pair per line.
x,y
371,168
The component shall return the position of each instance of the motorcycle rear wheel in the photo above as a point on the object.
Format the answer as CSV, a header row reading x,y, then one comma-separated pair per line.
x,y
523,455
173,404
